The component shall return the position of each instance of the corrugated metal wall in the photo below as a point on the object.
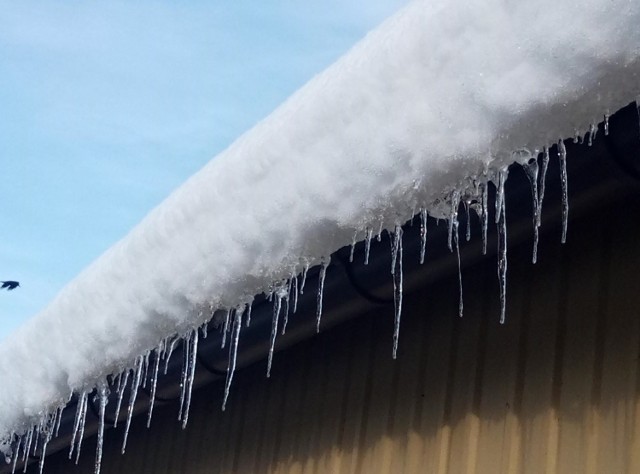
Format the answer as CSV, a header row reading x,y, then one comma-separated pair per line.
x,y
556,389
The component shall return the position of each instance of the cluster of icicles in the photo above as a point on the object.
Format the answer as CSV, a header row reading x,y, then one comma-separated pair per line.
x,y
284,297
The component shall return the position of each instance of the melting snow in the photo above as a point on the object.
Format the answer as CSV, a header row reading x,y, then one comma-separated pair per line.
x,y
427,109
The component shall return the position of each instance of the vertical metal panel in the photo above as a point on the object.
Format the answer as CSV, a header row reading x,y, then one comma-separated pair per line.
x,y
554,390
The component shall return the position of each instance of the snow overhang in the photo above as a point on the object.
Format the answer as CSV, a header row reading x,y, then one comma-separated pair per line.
x,y
435,102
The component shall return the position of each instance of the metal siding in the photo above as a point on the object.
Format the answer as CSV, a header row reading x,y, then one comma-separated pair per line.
x,y
554,390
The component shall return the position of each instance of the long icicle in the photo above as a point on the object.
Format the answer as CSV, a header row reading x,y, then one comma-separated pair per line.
x,y
233,352
423,234
321,278
193,352
277,303
122,385
484,216
367,244
562,155
531,170
456,241
397,285
135,384
542,187
83,419
16,455
184,375
154,385
103,398
502,261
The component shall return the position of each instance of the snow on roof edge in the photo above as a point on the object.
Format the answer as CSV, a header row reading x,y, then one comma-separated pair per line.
x,y
442,92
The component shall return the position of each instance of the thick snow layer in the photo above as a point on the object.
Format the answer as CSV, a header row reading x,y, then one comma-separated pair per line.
x,y
439,92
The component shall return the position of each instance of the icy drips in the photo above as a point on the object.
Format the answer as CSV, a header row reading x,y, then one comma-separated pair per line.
x,y
233,352
456,239
103,398
502,177
285,292
225,328
305,270
154,382
396,272
453,216
423,234
16,455
484,213
192,352
543,177
467,205
531,170
81,420
562,155
502,250
277,304
367,244
353,246
321,277
135,384
249,306
122,384
172,347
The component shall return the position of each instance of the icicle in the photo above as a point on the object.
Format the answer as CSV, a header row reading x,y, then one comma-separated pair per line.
x,y
25,454
172,346
323,274
543,177
294,294
353,246
27,448
205,330
484,214
249,306
48,426
193,351
145,369
274,332
233,351
592,133
120,391
423,234
397,285
184,375
562,154
531,170
367,244
16,455
502,261
379,237
135,384
467,205
83,419
305,270
285,298
59,419
225,329
81,411
453,216
154,385
36,438
103,397
456,239
502,177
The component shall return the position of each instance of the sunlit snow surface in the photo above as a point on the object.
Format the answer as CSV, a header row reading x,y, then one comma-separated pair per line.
x,y
442,92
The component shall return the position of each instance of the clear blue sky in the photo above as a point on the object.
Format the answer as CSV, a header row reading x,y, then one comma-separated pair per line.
x,y
106,107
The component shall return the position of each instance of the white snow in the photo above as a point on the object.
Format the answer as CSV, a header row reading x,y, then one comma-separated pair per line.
x,y
436,94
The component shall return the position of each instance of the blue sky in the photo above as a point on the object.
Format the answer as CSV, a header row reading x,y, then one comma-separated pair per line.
x,y
106,107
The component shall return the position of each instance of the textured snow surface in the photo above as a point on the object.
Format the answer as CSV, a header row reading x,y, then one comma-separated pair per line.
x,y
441,91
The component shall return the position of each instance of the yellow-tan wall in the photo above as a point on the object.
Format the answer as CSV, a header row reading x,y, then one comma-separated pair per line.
x,y
554,390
